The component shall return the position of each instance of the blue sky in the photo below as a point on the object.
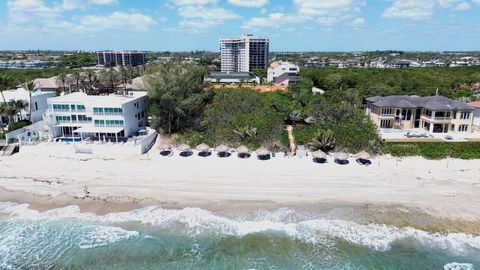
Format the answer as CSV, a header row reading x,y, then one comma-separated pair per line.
x,y
292,25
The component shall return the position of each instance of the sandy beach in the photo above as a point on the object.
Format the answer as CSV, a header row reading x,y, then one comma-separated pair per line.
x,y
48,176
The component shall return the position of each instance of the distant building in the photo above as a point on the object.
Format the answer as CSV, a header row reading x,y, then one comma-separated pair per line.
x,y
231,77
435,114
38,103
83,116
400,64
244,54
283,73
121,58
47,84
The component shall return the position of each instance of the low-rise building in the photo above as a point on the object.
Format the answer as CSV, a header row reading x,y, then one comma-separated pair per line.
x,y
38,104
81,116
283,73
435,114
231,77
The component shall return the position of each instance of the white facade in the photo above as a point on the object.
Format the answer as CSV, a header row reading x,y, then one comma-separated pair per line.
x,y
244,54
283,73
38,103
81,116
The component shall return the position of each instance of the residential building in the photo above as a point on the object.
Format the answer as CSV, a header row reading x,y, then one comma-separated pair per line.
x,y
283,73
244,54
47,84
436,114
476,114
38,104
231,77
121,58
81,116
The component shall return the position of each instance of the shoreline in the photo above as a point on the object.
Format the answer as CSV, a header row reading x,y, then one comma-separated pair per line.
x,y
434,195
396,215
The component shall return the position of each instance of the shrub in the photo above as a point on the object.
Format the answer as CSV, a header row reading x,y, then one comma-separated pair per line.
x,y
433,150
18,125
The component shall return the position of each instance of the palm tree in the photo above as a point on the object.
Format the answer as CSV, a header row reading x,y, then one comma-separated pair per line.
x,y
62,80
110,78
31,87
323,140
5,83
3,113
124,77
76,77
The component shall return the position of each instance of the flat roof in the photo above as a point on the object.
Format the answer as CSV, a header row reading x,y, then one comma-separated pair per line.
x,y
110,100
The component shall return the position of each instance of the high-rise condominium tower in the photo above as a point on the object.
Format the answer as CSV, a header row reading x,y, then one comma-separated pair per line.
x,y
244,54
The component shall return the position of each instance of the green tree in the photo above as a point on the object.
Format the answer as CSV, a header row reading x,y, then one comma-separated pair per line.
x,y
6,82
31,87
323,140
177,96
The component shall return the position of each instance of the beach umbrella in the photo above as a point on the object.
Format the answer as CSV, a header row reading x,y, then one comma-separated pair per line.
x,y
263,154
341,158
363,158
183,147
222,148
341,155
243,150
363,155
319,154
223,151
164,146
203,147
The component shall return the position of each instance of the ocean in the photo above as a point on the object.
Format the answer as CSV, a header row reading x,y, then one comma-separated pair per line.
x,y
193,238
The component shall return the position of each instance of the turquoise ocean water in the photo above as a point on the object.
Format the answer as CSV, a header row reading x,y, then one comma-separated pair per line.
x,y
191,238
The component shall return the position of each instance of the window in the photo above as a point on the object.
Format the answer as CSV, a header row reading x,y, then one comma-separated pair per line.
x,y
36,106
80,108
385,124
99,123
452,128
454,115
409,115
63,119
465,115
61,108
463,128
387,111
98,111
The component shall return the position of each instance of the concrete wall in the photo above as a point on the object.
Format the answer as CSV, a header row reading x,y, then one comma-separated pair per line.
x,y
149,140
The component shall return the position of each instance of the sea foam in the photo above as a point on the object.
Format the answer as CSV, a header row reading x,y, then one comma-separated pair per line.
x,y
195,221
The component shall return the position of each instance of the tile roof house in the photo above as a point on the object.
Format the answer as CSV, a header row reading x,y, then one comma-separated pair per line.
x,y
437,114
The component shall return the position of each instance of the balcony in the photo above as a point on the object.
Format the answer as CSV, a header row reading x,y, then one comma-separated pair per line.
x,y
437,119
387,116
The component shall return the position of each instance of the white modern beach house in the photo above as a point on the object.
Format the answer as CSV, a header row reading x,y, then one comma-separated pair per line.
x,y
283,73
79,116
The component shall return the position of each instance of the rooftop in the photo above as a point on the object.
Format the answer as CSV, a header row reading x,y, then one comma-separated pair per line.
x,y
110,100
436,103
230,75
475,104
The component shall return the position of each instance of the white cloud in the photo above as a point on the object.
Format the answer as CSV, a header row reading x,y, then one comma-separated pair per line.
x,y
325,12
196,18
455,4
358,21
103,2
422,9
248,3
115,20
193,2
273,20
476,1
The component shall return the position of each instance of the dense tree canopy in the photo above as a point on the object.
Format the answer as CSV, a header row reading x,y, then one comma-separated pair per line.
x,y
176,96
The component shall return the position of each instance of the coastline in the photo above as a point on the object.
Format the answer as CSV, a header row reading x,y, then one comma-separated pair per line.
x,y
432,195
